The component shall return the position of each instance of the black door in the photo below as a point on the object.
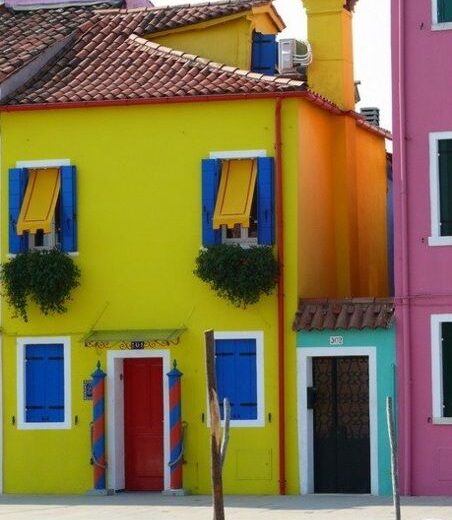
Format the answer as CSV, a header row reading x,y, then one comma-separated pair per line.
x,y
341,425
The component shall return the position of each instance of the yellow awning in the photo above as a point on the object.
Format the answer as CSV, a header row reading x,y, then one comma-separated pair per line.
x,y
41,195
235,194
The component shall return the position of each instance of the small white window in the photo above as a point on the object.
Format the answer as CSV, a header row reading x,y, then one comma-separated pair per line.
x,y
43,383
441,188
239,366
441,14
441,341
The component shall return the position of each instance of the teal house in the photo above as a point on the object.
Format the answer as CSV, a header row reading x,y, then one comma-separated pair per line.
x,y
345,371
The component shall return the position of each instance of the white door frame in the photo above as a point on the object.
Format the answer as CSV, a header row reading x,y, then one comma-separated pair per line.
x,y
115,414
306,417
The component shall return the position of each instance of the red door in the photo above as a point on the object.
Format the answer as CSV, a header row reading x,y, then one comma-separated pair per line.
x,y
143,424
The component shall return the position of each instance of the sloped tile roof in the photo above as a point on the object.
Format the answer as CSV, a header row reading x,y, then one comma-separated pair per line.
x,y
355,313
24,35
110,61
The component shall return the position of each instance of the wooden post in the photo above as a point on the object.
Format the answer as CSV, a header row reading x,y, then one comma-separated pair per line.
x,y
215,427
394,458
227,423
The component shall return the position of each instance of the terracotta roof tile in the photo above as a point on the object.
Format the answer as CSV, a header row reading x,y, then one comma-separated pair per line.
x,y
355,313
136,69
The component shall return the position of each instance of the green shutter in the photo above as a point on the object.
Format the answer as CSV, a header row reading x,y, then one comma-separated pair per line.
x,y
446,333
444,11
445,186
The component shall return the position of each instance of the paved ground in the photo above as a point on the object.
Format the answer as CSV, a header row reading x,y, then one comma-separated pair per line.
x,y
139,506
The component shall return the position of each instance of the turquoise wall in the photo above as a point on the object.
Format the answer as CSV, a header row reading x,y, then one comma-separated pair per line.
x,y
384,342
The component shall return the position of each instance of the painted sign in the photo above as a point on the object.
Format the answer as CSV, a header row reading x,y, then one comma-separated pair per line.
x,y
336,341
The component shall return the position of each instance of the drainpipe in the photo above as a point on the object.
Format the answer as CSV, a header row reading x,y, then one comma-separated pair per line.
x,y
403,264
280,298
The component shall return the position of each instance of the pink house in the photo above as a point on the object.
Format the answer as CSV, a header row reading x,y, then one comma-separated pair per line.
x,y
422,82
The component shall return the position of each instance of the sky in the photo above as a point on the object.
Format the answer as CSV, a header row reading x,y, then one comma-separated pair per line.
x,y
372,47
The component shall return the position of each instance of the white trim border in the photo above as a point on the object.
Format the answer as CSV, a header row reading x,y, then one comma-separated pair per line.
x,y
44,163
49,340
436,320
436,239
438,26
306,417
238,154
115,420
260,391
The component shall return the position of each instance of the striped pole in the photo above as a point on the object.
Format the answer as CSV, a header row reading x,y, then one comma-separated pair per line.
x,y
98,429
174,377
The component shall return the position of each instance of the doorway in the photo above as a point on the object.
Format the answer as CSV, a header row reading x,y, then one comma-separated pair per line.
x,y
138,420
340,402
143,424
315,464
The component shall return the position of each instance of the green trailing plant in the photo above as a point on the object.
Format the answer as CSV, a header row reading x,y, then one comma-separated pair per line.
x,y
240,275
47,278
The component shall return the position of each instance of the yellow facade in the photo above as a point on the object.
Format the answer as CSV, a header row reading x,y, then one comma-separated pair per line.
x,y
139,231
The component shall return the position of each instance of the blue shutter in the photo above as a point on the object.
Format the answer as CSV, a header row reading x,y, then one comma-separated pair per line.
x,y
44,383
264,54
246,379
265,201
211,171
68,206
225,373
17,185
235,366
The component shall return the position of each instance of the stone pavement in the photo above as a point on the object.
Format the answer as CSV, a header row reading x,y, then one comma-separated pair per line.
x,y
149,506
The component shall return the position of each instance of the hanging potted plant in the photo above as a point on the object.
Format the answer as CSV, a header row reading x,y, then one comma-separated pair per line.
x,y
237,274
46,277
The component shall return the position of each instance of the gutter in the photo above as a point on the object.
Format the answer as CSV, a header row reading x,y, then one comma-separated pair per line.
x,y
403,264
280,297
300,94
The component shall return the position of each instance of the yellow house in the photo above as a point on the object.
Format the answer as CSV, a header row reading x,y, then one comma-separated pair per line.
x,y
138,142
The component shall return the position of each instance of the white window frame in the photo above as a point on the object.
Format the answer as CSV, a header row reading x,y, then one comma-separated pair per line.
x,y
245,241
22,424
438,26
435,238
436,321
260,393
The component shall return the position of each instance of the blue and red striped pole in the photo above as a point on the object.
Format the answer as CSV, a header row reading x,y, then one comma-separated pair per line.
x,y
98,430
174,377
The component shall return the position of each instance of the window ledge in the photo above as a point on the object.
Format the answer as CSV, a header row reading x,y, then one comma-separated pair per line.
x,y
70,253
440,241
442,420
443,26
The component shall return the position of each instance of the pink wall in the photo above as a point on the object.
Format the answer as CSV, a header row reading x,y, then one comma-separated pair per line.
x,y
422,85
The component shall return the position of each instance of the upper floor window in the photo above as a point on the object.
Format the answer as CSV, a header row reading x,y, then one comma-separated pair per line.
x,y
442,11
441,328
238,201
42,208
441,188
264,54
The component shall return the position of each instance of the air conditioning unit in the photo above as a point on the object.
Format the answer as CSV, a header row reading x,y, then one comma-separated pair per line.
x,y
293,55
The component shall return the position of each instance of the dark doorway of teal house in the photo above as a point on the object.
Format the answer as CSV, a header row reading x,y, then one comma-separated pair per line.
x,y
143,424
341,425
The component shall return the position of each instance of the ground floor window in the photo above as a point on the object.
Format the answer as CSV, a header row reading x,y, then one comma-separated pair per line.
x,y
239,373
43,385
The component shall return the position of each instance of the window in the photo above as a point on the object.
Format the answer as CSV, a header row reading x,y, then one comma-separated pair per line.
x,y
441,330
238,201
442,11
264,54
239,372
43,383
42,208
441,188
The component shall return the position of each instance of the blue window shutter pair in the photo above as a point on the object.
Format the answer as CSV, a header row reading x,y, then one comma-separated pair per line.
x,y
264,54
17,184
211,172
236,372
44,383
